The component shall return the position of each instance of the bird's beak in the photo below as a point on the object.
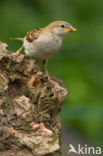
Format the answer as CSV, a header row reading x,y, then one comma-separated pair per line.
x,y
70,29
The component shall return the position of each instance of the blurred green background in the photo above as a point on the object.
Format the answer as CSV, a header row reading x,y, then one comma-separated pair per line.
x,y
80,61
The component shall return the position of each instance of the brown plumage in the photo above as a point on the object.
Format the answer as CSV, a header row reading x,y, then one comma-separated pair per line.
x,y
33,34
19,39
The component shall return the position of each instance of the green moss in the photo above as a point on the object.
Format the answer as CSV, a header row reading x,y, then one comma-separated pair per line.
x,y
14,77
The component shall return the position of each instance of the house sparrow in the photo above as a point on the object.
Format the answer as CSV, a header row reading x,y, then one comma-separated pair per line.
x,y
44,43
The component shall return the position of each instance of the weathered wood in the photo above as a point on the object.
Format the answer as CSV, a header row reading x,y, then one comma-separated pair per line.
x,y
29,116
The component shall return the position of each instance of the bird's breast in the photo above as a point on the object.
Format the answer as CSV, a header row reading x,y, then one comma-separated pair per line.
x,y
44,47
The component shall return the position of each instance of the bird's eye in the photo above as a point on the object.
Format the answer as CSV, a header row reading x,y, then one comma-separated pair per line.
x,y
62,25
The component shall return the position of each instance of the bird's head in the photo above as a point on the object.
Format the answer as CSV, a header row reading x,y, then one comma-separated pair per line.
x,y
60,28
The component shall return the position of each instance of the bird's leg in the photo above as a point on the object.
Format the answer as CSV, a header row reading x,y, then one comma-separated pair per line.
x,y
18,52
45,68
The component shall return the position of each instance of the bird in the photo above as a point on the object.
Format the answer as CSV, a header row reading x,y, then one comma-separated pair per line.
x,y
44,43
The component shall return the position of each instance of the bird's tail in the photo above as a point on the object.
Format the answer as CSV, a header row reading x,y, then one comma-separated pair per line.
x,y
19,39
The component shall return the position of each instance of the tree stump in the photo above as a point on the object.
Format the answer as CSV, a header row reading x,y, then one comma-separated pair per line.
x,y
29,116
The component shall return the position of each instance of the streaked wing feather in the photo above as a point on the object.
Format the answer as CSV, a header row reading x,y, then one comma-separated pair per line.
x,y
33,34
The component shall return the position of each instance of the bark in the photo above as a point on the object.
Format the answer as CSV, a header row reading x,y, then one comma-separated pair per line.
x,y
29,116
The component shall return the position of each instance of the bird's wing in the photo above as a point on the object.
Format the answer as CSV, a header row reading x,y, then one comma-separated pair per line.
x,y
33,34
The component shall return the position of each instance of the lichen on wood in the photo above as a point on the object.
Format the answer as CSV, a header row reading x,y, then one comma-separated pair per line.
x,y
29,116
